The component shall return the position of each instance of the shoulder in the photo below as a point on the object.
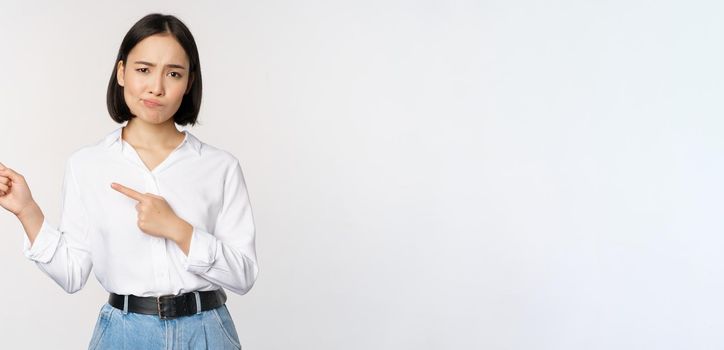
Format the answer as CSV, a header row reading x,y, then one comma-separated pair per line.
x,y
83,155
94,152
211,153
89,152
218,154
220,159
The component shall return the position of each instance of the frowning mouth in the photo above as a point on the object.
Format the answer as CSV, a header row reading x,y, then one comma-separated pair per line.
x,y
151,104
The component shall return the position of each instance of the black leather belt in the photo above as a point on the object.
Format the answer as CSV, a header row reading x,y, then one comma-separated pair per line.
x,y
170,306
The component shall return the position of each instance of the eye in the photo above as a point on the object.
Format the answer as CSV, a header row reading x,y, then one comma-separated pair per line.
x,y
139,70
177,74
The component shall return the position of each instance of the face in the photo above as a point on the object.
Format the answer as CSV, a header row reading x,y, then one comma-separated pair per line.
x,y
155,78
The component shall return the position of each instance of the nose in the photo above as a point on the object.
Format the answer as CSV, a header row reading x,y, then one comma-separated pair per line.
x,y
155,85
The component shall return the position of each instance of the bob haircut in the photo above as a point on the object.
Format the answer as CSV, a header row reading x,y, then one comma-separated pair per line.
x,y
151,24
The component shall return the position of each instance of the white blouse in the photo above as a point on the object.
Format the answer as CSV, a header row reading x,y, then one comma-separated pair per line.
x,y
98,228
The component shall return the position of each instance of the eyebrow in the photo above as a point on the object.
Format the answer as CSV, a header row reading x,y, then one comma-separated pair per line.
x,y
154,65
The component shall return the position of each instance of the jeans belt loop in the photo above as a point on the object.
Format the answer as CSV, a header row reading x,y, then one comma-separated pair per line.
x,y
198,302
158,306
125,304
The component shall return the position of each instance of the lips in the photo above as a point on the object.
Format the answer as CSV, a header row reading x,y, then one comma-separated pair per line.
x,y
151,103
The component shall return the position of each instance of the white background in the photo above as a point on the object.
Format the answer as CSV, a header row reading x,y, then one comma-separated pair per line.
x,y
424,175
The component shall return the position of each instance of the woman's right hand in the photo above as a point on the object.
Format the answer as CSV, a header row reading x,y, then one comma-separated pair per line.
x,y
14,191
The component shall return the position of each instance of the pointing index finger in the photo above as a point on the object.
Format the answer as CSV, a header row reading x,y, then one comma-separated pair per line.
x,y
127,191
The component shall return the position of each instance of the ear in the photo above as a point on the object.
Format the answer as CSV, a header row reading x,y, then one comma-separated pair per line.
x,y
190,84
120,73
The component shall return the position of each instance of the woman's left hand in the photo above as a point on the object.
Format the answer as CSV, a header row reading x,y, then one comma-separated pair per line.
x,y
155,216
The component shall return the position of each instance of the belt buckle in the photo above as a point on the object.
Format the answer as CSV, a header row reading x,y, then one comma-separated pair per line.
x,y
158,306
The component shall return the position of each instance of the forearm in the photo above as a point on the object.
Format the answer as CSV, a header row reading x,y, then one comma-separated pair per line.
x,y
233,267
31,217
182,232
232,270
68,264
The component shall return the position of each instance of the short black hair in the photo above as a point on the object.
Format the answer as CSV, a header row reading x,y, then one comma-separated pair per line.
x,y
151,24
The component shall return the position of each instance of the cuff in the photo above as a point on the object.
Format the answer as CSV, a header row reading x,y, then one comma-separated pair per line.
x,y
45,244
202,252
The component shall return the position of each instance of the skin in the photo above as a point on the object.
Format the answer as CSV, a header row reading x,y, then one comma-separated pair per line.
x,y
152,134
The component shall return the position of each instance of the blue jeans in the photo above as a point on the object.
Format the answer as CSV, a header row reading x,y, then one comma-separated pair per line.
x,y
211,329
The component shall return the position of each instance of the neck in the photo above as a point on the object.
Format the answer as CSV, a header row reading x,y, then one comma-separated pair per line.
x,y
151,136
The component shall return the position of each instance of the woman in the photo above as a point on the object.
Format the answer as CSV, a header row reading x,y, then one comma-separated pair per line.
x,y
163,219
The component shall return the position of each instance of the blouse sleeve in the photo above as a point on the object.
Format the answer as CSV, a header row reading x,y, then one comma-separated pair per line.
x,y
227,257
63,253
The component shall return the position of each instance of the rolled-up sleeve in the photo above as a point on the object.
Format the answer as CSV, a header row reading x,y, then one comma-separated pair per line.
x,y
227,257
63,252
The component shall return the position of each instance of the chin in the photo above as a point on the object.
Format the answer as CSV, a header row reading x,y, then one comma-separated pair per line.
x,y
148,120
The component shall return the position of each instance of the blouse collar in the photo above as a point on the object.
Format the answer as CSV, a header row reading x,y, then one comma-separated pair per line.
x,y
115,138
